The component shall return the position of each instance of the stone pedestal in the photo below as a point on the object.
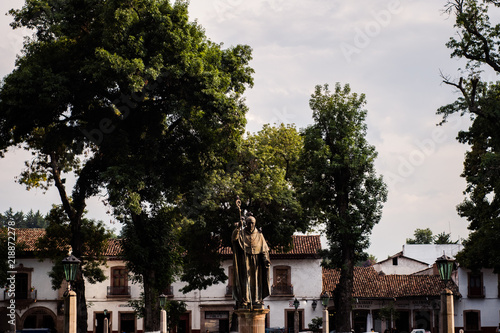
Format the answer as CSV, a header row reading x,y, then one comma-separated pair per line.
x,y
70,313
447,322
163,321
325,321
252,321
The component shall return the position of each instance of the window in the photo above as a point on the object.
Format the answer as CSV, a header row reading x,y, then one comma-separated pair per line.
x,y
24,291
475,286
282,281
119,282
472,320
395,261
230,282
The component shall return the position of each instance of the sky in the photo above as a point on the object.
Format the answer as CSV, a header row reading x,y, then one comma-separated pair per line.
x,y
393,51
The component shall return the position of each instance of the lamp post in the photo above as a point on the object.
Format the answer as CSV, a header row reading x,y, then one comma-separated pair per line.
x,y
163,314
296,304
70,265
105,321
325,299
447,323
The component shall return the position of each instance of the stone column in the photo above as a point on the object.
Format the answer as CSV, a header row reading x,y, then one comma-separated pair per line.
x,y
447,318
296,321
105,328
325,321
163,321
252,321
70,313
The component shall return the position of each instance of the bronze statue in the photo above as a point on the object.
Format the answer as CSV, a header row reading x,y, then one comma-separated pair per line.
x,y
250,266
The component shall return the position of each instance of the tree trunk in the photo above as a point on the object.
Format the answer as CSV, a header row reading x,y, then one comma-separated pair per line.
x,y
81,306
344,289
151,307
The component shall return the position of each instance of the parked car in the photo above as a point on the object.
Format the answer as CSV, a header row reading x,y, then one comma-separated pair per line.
x,y
419,330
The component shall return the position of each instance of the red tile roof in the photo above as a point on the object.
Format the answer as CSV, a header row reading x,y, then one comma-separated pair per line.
x,y
302,247
114,248
29,237
369,284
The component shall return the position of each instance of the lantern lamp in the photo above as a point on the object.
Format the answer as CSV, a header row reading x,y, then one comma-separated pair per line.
x,y
163,300
325,299
70,265
445,267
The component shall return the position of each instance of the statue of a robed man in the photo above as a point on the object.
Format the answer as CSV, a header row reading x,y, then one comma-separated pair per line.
x,y
250,266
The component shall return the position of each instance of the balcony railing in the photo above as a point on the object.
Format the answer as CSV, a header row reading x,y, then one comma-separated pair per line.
x,y
118,291
281,290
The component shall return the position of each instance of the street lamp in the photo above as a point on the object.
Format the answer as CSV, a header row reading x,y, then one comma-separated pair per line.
x,y
163,314
445,266
70,265
325,299
296,304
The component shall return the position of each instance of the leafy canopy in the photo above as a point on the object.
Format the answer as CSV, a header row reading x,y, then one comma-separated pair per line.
x,y
478,42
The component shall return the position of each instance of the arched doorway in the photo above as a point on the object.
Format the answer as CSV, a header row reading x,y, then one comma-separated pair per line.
x,y
39,317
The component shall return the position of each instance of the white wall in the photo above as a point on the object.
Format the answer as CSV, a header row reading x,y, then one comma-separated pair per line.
x,y
428,253
97,300
404,266
489,306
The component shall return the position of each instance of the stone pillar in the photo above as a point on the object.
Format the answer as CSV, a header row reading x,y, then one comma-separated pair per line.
x,y
447,318
163,321
326,322
296,321
70,313
105,328
252,321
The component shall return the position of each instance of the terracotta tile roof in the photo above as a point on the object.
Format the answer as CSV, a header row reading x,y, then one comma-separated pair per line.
x,y
114,248
369,284
303,247
29,237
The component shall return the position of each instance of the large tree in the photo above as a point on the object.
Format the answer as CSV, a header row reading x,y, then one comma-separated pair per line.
x,y
263,174
128,96
340,187
478,41
422,236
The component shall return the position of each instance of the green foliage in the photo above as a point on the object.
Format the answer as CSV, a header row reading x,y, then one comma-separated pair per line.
x,y
422,236
370,261
340,188
152,245
21,220
56,244
444,238
425,236
263,175
478,43
388,312
316,324
129,96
